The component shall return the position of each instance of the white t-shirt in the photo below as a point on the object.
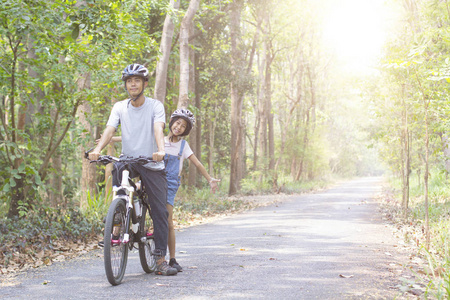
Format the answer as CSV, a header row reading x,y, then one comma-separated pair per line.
x,y
137,124
174,148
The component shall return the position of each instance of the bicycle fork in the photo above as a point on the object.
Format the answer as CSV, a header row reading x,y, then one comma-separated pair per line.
x,y
128,198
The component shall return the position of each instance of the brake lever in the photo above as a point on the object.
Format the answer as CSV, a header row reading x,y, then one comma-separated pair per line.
x,y
86,153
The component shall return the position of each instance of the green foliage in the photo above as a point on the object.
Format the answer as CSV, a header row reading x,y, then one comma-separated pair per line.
x,y
439,219
45,49
256,182
42,229
97,205
296,187
438,285
189,202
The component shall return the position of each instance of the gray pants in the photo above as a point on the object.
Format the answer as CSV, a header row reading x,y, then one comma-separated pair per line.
x,y
155,183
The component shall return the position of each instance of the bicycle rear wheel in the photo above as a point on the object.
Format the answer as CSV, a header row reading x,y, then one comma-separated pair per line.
x,y
115,251
147,243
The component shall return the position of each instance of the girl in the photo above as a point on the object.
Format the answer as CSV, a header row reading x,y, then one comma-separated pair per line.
x,y
177,149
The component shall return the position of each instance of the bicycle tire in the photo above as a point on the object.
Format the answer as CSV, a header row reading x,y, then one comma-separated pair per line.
x,y
147,245
115,251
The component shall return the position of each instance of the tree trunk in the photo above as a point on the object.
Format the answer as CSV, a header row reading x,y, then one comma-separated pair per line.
x,y
426,103
56,192
37,95
261,124
304,146
446,151
17,189
406,157
108,175
195,135
186,24
55,179
163,63
236,100
269,115
427,153
211,130
88,170
258,97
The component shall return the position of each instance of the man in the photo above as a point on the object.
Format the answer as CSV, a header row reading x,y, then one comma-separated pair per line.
x,y
142,122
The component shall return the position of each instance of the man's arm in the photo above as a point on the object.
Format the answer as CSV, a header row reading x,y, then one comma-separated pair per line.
x,y
104,140
159,137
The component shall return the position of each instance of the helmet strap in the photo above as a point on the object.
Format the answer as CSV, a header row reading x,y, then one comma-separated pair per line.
x,y
133,99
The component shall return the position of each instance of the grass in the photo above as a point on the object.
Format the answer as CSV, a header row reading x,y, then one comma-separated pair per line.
x,y
256,184
193,204
438,254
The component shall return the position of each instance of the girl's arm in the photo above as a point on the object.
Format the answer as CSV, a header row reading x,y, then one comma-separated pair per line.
x,y
114,139
212,181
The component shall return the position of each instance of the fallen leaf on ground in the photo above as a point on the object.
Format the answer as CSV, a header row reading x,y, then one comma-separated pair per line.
x,y
59,258
345,276
439,271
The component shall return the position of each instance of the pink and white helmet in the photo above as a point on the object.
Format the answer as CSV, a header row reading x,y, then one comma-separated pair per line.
x,y
184,114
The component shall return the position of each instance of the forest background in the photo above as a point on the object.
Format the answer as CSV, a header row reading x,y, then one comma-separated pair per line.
x,y
280,106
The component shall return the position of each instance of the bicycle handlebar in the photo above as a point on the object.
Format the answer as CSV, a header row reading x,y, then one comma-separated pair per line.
x,y
106,159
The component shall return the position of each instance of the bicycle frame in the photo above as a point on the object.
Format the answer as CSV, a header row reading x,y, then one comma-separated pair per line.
x,y
118,239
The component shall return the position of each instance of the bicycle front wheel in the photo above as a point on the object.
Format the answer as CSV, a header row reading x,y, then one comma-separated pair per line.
x,y
147,243
115,251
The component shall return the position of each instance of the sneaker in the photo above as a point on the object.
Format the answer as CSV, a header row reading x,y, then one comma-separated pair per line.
x,y
164,269
174,264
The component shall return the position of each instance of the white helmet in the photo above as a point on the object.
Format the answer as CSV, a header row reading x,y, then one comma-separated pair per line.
x,y
135,70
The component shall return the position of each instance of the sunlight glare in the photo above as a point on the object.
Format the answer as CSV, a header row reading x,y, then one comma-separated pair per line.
x,y
356,30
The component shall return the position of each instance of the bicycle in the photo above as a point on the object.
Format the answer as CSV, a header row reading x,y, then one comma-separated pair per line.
x,y
126,223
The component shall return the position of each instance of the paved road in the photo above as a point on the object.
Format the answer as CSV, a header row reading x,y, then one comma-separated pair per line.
x,y
296,249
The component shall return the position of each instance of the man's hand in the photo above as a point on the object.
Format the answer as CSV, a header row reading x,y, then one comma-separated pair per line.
x,y
158,156
94,154
104,140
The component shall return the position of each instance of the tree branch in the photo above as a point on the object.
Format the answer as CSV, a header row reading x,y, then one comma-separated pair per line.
x,y
43,169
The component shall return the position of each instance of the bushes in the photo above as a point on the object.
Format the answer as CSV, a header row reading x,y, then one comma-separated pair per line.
x,y
189,202
42,230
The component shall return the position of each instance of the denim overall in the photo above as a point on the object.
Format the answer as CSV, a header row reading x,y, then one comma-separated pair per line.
x,y
172,172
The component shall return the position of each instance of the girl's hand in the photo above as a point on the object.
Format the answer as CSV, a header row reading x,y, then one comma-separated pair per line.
x,y
213,184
